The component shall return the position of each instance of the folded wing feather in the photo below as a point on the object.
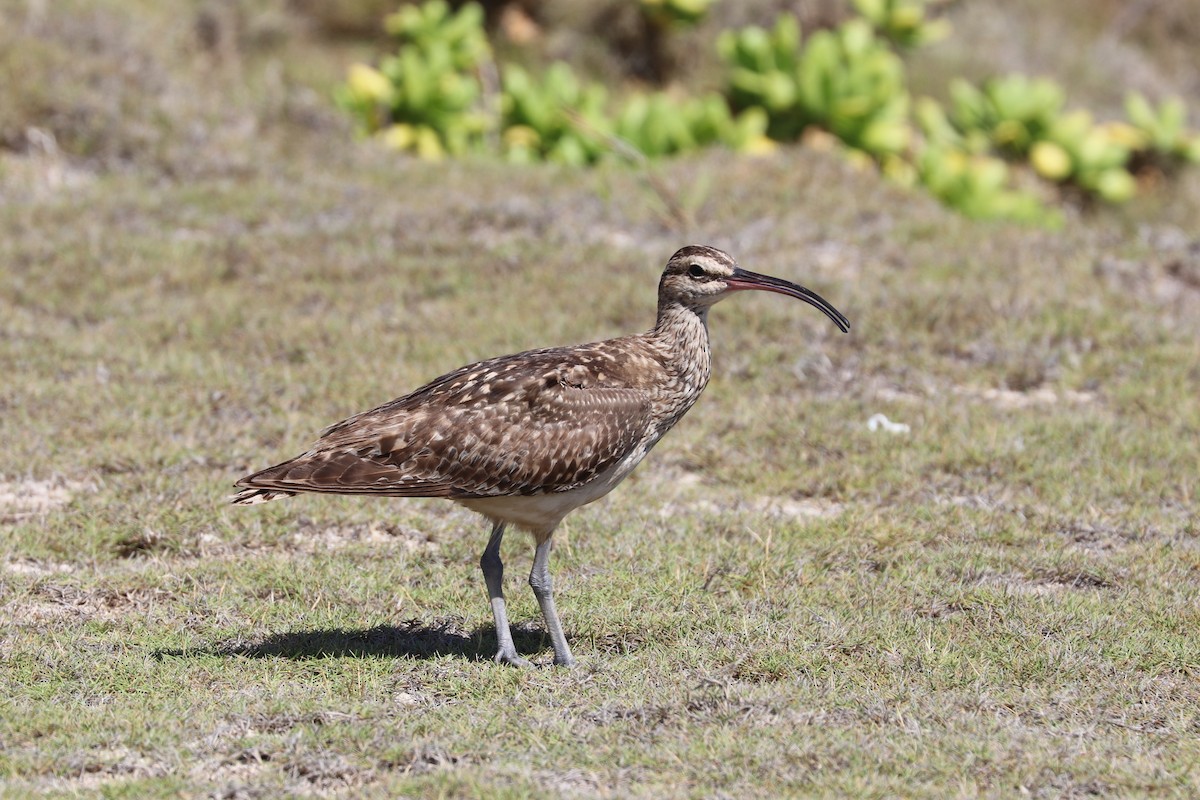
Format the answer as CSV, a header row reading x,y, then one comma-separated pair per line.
x,y
508,426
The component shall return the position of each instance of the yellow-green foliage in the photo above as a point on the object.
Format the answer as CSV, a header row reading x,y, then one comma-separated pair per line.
x,y
425,97
659,125
1014,111
1161,133
848,82
977,185
1095,156
558,118
762,73
436,30
955,168
1024,118
903,22
851,84
936,128
845,81
676,12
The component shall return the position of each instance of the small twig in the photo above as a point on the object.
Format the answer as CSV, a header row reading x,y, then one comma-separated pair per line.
x,y
1138,729
489,81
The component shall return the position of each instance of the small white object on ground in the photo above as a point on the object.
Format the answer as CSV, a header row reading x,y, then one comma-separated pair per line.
x,y
880,422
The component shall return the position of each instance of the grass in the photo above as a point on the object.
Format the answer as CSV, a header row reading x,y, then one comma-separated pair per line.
x,y
780,602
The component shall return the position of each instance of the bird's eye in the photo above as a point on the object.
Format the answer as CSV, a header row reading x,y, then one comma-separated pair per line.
x,y
696,271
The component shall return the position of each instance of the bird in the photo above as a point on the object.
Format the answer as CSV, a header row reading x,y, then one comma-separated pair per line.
x,y
525,439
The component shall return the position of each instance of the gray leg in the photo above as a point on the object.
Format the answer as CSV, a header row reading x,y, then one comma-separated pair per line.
x,y
493,574
543,590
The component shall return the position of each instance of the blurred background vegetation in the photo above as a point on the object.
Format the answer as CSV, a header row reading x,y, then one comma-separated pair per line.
x,y
1016,111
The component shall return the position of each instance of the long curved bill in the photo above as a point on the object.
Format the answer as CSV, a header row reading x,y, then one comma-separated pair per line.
x,y
743,280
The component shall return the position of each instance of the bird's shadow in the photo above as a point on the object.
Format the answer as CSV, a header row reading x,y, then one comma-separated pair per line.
x,y
411,639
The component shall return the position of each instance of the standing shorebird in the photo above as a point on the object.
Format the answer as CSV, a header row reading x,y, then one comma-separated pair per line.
x,y
526,439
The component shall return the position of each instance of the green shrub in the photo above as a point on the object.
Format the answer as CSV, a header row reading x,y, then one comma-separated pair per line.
x,y
1023,118
902,22
845,81
956,168
1161,134
660,125
976,185
426,96
558,118
762,73
845,86
676,12
1014,111
852,85
1095,159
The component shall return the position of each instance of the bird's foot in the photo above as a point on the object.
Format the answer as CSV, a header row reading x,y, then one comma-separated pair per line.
x,y
512,659
566,661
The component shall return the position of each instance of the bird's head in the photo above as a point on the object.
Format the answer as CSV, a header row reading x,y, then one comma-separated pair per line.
x,y
699,276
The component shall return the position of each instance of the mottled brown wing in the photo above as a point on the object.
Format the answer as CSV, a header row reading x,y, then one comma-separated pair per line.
x,y
527,424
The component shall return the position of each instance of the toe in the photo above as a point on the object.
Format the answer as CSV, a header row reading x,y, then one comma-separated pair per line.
x,y
512,660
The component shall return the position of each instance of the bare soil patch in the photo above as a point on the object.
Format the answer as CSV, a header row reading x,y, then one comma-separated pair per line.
x,y
21,500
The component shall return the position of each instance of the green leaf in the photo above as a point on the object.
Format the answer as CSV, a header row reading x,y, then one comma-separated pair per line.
x,y
1115,185
1140,112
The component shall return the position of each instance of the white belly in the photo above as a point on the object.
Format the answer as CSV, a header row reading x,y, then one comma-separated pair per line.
x,y
541,513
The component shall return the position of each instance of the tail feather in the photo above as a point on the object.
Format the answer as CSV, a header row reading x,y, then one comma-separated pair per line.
x,y
251,497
